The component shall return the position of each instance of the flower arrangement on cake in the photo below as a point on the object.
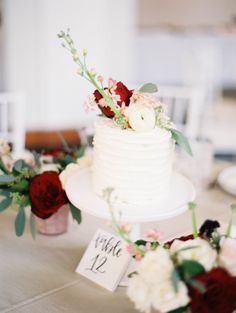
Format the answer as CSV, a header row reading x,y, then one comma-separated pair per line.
x,y
194,273
138,110
38,181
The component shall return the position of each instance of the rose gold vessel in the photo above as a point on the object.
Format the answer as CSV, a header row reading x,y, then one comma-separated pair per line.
x,y
56,224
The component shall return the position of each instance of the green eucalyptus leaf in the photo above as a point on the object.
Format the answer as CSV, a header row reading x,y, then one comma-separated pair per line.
x,y
20,222
80,151
76,213
197,285
32,225
22,185
6,179
181,140
149,88
3,167
18,165
190,268
23,201
140,242
5,192
175,279
5,203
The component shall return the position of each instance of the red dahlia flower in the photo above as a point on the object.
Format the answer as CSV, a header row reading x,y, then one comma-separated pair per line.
x,y
46,194
122,91
220,295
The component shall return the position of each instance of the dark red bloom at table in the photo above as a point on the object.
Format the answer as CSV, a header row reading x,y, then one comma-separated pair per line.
x,y
122,91
54,153
220,295
46,194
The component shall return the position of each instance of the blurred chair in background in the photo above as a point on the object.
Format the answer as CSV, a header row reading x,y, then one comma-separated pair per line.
x,y
12,120
185,106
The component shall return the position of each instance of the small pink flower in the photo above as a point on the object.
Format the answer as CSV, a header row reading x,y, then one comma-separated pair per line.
x,y
153,234
102,102
131,249
111,83
115,97
90,104
93,72
138,257
100,78
126,228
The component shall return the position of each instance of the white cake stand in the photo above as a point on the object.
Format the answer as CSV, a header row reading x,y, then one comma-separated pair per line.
x,y
80,193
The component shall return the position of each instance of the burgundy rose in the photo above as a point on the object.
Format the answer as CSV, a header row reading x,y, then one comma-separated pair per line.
x,y
120,90
46,194
54,153
208,227
220,295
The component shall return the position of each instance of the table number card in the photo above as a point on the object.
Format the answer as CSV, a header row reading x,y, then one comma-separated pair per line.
x,y
105,260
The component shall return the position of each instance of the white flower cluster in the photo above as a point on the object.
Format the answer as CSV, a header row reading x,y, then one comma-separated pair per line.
x,y
196,249
72,168
152,285
145,112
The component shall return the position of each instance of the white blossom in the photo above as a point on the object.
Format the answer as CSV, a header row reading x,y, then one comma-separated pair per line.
x,y
152,286
227,256
141,118
196,249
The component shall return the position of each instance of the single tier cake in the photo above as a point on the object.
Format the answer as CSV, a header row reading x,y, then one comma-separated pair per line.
x,y
138,165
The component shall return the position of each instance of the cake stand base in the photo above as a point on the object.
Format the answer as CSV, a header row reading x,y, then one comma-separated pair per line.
x,y
80,193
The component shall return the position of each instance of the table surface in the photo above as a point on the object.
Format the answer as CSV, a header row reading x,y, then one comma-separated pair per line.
x,y
39,276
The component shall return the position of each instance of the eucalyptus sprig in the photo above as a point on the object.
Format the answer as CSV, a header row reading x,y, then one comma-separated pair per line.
x,y
139,245
229,228
90,75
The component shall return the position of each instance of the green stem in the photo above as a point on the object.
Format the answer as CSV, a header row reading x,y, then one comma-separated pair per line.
x,y
87,75
192,206
229,228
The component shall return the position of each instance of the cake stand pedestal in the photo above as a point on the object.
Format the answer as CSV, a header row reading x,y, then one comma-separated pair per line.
x,y
79,191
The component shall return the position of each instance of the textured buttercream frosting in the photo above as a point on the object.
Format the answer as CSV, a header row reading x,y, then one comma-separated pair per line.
x,y
138,165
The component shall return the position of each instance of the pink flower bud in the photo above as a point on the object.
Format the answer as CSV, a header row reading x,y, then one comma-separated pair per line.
x,y
100,78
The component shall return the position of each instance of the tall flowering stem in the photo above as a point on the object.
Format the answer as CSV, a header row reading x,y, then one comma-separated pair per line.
x,y
90,75
118,226
229,228
192,207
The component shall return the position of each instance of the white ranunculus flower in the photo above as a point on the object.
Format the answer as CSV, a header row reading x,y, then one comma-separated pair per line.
x,y
152,286
199,250
27,156
68,171
227,256
141,118
156,266
49,167
164,297
139,292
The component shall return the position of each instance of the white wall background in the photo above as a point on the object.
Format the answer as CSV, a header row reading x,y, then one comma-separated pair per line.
x,y
36,64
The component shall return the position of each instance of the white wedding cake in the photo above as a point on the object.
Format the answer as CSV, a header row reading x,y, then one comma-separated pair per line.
x,y
138,165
